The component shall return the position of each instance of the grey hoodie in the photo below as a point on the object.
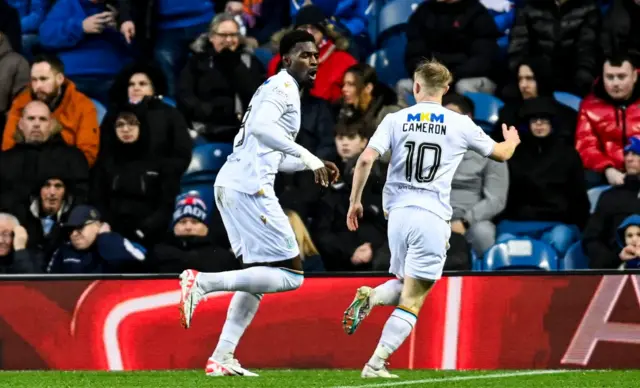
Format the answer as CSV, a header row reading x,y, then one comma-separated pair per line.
x,y
479,188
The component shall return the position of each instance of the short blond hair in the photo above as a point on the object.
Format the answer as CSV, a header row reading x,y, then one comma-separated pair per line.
x,y
434,76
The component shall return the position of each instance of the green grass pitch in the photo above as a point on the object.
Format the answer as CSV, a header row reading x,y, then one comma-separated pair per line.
x,y
326,378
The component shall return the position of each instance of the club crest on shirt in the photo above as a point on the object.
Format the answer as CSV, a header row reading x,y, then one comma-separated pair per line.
x,y
290,242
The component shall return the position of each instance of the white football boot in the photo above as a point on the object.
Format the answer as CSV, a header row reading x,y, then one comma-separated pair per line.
x,y
191,295
368,372
227,366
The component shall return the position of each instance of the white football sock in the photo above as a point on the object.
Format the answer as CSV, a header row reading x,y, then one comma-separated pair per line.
x,y
255,280
387,294
396,330
241,311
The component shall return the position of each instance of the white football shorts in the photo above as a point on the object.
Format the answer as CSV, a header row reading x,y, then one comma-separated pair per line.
x,y
418,241
257,227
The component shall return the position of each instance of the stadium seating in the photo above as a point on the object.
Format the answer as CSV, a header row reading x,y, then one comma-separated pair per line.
x,y
206,161
391,40
394,15
520,254
486,109
389,70
263,55
476,263
568,99
169,101
574,259
594,194
102,111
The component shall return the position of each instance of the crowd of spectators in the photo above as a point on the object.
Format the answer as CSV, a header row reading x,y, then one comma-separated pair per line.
x,y
84,194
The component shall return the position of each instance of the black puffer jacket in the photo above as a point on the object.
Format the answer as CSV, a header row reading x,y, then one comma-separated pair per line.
x,y
211,82
176,254
621,29
334,241
462,35
546,177
26,165
134,190
567,36
169,138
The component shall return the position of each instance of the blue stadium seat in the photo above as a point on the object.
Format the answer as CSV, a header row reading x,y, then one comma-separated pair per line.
x,y
264,55
575,258
568,99
102,111
487,108
169,101
206,161
594,194
520,254
395,14
389,66
476,263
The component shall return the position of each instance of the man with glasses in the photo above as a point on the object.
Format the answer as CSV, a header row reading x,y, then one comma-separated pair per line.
x,y
218,82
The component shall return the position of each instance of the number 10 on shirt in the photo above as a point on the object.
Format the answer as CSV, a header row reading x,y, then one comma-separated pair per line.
x,y
415,163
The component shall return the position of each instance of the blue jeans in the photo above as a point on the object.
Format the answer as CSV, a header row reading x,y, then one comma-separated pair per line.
x,y
558,235
172,50
94,86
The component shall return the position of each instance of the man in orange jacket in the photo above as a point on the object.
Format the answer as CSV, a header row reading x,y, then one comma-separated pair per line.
x,y
73,110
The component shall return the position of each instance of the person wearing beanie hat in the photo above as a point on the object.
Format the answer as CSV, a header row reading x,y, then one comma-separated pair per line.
x,y
190,209
547,197
191,244
333,60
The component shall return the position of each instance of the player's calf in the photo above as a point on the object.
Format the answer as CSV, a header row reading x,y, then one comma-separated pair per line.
x,y
401,322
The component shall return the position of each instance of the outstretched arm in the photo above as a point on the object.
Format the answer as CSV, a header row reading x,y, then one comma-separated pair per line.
x,y
262,123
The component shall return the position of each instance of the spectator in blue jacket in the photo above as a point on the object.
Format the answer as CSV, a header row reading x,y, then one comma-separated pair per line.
x,y
32,13
92,246
83,34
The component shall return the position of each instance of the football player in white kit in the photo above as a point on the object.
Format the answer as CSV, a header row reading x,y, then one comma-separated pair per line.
x,y
427,142
258,229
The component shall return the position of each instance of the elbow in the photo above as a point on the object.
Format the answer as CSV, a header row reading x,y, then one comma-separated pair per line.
x,y
365,161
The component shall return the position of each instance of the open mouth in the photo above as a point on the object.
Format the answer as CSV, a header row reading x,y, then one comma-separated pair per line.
x,y
312,74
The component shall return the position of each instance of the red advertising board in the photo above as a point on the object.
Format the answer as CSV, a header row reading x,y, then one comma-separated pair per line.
x,y
473,322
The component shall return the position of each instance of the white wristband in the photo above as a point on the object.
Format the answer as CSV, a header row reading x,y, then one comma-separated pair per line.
x,y
311,161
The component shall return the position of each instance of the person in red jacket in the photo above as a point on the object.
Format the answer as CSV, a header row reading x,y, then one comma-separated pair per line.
x,y
608,117
332,61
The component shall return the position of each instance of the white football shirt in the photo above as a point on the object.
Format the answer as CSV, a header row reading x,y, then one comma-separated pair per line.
x,y
275,107
427,143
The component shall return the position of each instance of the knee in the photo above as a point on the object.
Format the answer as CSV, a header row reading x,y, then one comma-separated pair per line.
x,y
295,281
